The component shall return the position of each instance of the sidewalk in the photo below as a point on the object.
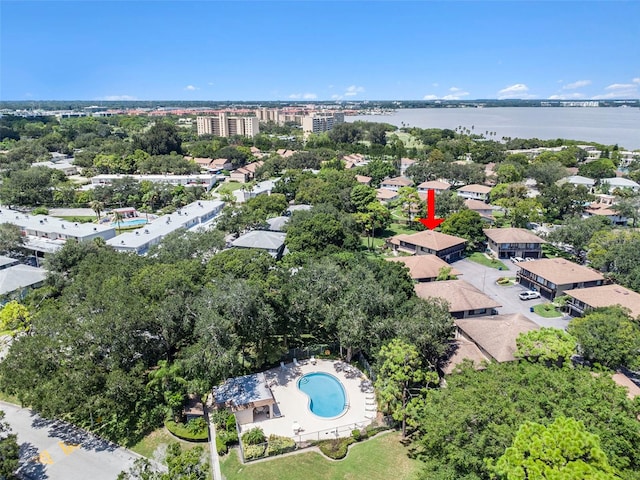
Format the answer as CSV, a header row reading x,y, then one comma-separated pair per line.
x,y
215,460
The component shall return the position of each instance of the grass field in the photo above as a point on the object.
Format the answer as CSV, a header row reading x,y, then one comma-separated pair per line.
x,y
229,186
79,219
394,229
381,458
547,310
158,438
482,259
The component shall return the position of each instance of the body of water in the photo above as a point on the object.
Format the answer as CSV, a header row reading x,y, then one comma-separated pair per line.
x,y
608,126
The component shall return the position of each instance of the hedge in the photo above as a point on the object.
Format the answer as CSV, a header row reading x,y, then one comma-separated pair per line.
x,y
336,448
254,451
278,445
183,432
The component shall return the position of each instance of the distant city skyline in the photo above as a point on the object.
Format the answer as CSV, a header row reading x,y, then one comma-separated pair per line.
x,y
309,50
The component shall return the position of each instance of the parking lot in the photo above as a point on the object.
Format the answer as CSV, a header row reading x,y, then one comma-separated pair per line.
x,y
484,278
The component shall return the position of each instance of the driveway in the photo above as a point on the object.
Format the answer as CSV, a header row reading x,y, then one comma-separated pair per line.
x,y
484,278
58,451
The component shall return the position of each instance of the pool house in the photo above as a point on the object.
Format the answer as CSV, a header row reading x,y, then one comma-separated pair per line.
x,y
248,397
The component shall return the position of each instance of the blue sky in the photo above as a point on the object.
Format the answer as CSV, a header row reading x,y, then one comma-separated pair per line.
x,y
297,50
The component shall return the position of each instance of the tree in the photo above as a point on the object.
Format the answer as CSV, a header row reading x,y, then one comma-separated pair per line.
x,y
562,449
15,317
522,212
400,374
546,345
117,217
608,336
9,450
410,202
97,207
466,224
577,231
161,139
362,196
318,231
167,379
182,465
597,169
11,238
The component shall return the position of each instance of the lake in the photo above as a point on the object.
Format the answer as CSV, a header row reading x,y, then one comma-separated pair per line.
x,y
608,126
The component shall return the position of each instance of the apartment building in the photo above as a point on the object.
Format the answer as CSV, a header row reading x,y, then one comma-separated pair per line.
x,y
321,122
224,125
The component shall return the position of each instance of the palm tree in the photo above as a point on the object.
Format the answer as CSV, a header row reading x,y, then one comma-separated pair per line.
x,y
97,207
117,218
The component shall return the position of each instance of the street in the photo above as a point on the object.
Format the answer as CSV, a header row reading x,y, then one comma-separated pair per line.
x,y
484,278
55,450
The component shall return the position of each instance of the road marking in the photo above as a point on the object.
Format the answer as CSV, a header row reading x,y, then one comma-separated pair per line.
x,y
45,458
68,449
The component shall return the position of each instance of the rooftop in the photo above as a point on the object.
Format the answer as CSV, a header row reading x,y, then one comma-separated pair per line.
x,y
475,188
463,349
461,295
20,276
561,271
512,235
434,185
429,239
398,181
51,225
608,295
620,182
240,392
260,239
496,335
477,204
423,266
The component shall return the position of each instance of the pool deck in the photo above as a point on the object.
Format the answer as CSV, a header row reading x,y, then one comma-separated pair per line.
x,y
293,405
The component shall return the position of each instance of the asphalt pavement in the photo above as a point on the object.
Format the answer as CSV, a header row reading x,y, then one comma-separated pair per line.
x,y
484,278
55,450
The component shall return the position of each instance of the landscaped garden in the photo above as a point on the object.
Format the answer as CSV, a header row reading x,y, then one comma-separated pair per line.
x,y
547,310
482,259
380,458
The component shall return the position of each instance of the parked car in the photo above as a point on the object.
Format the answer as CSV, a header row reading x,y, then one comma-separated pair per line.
x,y
529,295
517,259
529,259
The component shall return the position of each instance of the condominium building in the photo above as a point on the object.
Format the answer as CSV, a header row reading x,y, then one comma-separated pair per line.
x,y
224,125
280,116
321,122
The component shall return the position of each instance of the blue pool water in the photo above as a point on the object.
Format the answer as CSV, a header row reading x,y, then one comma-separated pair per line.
x,y
130,223
326,394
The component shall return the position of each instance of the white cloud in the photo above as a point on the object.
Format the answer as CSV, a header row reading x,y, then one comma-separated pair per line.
x,y
430,97
578,84
303,96
336,97
636,80
568,96
517,90
456,94
191,88
620,86
210,84
435,85
621,90
352,91
115,98
454,89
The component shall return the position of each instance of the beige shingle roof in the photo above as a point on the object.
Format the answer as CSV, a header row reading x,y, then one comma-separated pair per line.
x,y
435,185
429,239
608,295
464,350
363,179
496,335
561,271
475,188
512,235
472,204
398,181
423,266
462,296
632,389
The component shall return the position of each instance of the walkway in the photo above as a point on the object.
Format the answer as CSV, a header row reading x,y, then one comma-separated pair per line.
x,y
215,460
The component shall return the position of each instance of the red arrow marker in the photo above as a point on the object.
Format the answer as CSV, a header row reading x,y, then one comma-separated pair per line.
x,y
431,221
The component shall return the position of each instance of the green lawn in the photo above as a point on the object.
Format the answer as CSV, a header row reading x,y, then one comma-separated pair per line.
x,y
547,310
158,438
511,281
380,458
394,229
79,219
229,186
482,259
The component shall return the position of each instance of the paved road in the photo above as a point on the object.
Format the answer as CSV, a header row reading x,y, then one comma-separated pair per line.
x,y
57,451
484,278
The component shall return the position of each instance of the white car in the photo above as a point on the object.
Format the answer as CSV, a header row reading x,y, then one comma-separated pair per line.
x,y
530,295
517,259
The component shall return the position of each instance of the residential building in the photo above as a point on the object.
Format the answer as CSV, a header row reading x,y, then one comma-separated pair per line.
x,y
246,173
271,242
396,183
605,206
354,160
406,163
262,188
513,242
490,338
483,209
464,299
16,279
46,234
385,196
552,277
280,116
447,247
63,166
363,179
435,185
224,125
424,268
203,180
620,183
582,300
626,157
277,224
578,180
475,192
321,122
192,216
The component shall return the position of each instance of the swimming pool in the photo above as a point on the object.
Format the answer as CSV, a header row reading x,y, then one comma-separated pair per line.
x,y
130,223
327,397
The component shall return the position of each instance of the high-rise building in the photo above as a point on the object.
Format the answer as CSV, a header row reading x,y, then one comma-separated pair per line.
x,y
321,122
223,125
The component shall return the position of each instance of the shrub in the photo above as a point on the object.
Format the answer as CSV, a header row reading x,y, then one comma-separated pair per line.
x,y
183,432
254,436
337,448
279,445
229,437
230,422
40,211
196,425
221,446
357,435
219,418
254,451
